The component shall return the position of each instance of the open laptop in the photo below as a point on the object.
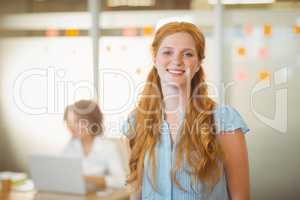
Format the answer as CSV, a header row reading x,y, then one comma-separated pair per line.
x,y
57,174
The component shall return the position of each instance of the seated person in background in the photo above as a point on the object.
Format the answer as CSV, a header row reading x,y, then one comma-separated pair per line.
x,y
102,163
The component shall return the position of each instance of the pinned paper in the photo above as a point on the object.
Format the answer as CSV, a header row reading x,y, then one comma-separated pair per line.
x,y
51,33
263,53
248,29
72,32
264,75
267,30
148,30
129,32
241,75
297,30
241,51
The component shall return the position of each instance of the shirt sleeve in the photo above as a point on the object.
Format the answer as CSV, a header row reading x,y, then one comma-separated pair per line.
x,y
117,175
228,119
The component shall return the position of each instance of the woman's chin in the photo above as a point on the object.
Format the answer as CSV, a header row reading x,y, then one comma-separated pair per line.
x,y
175,82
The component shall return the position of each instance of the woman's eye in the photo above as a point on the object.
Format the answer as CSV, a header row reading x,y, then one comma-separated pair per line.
x,y
188,55
167,52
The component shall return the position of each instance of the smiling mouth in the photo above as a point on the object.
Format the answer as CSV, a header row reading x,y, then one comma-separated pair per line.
x,y
176,71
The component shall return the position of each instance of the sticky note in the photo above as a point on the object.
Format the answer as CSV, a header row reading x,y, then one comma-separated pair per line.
x,y
148,30
297,30
267,30
264,75
241,51
71,32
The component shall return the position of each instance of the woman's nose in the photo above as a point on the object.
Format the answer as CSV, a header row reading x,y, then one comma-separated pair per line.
x,y
177,60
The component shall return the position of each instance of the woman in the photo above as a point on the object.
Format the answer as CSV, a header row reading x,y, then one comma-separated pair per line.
x,y
102,165
183,145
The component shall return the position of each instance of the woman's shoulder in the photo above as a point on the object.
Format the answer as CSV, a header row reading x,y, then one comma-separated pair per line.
x,y
227,118
223,108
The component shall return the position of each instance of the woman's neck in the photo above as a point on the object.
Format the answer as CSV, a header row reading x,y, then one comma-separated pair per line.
x,y
175,98
87,143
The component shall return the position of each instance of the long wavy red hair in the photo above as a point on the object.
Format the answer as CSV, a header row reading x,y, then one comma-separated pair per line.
x,y
197,146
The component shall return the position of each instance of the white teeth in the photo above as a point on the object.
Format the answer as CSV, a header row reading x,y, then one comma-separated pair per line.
x,y
176,71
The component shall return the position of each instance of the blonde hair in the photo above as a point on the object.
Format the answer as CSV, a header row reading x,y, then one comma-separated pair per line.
x,y
197,146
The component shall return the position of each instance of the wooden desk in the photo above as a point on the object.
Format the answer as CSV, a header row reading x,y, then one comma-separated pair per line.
x,y
116,195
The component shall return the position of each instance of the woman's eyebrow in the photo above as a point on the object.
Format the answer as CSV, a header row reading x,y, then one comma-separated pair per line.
x,y
188,49
184,49
167,47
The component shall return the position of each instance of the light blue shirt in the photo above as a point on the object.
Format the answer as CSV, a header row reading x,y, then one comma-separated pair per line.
x,y
227,119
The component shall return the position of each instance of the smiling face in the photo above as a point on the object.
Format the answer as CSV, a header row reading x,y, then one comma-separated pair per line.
x,y
176,59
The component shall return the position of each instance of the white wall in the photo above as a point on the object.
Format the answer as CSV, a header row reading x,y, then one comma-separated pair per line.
x,y
39,77
273,115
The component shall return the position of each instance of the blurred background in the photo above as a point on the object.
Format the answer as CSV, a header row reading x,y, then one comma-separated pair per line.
x,y
54,52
